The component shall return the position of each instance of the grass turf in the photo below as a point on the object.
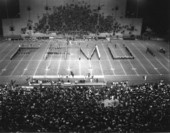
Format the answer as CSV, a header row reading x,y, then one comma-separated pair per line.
x,y
107,69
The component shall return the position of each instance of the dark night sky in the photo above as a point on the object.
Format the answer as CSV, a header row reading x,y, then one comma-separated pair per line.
x,y
154,12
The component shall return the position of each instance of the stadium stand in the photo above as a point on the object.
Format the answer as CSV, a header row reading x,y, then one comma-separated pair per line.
x,y
138,108
59,106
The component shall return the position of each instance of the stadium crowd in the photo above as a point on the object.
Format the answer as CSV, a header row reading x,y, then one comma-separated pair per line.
x,y
82,19
142,107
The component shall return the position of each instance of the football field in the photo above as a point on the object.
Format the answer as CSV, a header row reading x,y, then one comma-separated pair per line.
x,y
33,64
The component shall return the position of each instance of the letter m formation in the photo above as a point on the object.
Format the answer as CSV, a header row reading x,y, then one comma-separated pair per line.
x,y
95,50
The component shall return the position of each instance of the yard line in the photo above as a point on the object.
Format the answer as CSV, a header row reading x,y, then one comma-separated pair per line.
x,y
133,68
108,60
59,64
5,67
48,66
90,69
156,58
41,58
69,69
63,60
17,65
160,54
2,50
102,70
7,54
147,59
120,63
79,67
28,63
161,62
141,64
79,60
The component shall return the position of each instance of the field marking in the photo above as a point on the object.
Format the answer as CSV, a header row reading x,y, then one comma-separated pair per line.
x,y
69,68
57,59
3,59
79,67
48,66
9,60
147,59
60,76
160,61
120,63
59,64
28,63
79,60
2,50
41,58
90,69
4,69
101,70
166,58
67,76
133,68
156,58
140,63
112,68
162,64
17,65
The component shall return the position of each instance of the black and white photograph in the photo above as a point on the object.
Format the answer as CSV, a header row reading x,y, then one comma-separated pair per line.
x,y
85,66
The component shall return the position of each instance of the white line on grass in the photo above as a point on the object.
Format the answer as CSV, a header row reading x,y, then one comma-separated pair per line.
x,y
5,67
161,54
9,60
90,69
159,60
55,60
28,63
79,67
141,63
102,70
162,64
108,60
7,54
17,65
2,50
41,59
59,64
120,63
146,59
133,68
155,58
48,66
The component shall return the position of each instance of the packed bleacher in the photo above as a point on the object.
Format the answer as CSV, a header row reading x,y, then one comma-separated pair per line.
x,y
79,19
140,108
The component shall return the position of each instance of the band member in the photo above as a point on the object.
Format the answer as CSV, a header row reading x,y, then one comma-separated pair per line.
x,y
72,74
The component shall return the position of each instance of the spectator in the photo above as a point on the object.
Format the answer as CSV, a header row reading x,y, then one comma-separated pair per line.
x,y
79,108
